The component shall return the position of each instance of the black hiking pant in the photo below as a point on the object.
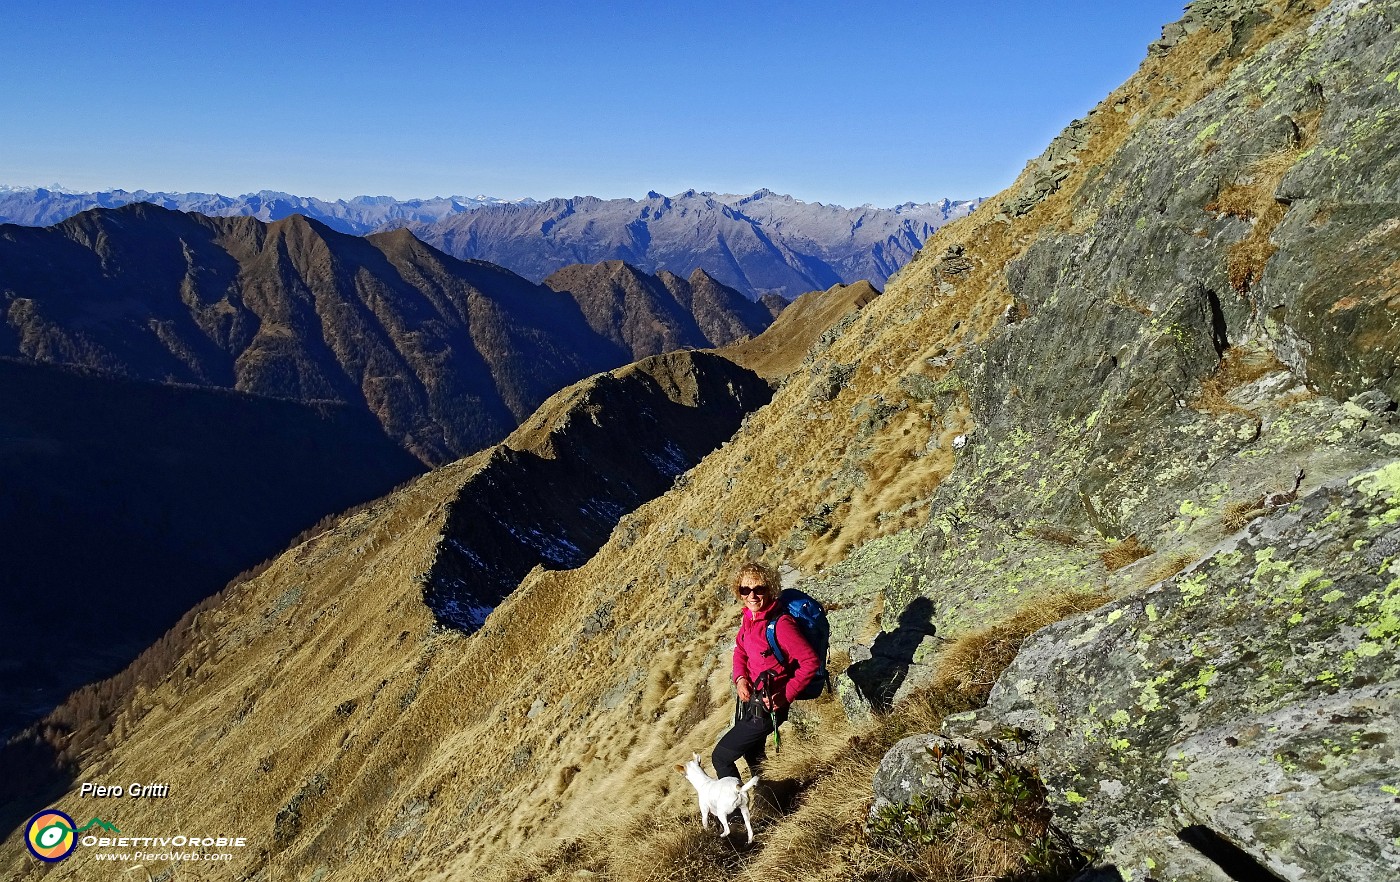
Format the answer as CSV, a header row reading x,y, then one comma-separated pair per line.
x,y
746,738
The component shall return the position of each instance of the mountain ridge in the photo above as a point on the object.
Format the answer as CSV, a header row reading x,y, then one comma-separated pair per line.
x,y
449,355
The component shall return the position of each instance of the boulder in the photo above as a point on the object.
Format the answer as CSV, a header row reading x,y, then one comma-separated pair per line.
x,y
1314,783
1155,711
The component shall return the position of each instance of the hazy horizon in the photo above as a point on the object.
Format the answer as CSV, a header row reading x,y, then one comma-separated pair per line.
x,y
826,103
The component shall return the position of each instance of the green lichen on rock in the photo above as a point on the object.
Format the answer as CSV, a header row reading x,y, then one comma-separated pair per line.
x,y
1247,633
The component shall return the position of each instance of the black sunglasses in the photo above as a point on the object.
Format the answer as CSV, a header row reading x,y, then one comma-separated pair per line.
x,y
752,589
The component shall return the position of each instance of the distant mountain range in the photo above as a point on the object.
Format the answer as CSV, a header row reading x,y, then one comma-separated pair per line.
x,y
42,206
448,355
760,243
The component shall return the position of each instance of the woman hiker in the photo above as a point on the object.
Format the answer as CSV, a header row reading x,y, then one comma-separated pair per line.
x,y
766,686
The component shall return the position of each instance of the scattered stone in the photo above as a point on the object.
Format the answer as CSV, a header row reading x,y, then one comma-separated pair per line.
x,y
837,377
919,387
954,262
1374,400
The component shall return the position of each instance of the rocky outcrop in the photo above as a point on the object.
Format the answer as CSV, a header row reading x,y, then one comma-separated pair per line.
x,y
1048,170
1208,329
1160,360
1250,698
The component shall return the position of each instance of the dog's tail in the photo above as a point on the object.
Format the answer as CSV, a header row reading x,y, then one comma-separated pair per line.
x,y
749,786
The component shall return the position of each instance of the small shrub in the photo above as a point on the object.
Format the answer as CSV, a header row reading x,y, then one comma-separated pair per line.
x,y
993,821
1122,553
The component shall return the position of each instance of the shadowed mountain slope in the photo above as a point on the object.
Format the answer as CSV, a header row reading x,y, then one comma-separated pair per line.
x,y
1105,380
648,314
448,355
126,502
553,491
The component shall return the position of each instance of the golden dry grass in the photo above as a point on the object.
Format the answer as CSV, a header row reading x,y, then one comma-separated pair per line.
x,y
1239,366
1121,553
780,349
1240,512
1246,259
1251,198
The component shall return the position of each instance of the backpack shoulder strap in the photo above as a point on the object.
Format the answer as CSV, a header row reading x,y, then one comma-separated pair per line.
x,y
772,632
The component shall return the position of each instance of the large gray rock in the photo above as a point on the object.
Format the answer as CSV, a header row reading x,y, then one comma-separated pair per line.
x,y
1214,314
1155,711
1089,417
1315,783
910,768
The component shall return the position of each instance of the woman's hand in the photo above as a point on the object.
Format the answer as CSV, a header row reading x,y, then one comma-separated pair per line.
x,y
745,689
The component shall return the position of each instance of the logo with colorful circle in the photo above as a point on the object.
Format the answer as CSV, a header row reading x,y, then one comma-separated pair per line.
x,y
51,835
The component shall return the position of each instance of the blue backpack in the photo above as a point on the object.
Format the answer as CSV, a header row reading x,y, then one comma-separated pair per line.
x,y
810,617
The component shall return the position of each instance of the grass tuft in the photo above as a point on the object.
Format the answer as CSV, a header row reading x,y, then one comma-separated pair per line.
x,y
1241,512
1055,534
1124,552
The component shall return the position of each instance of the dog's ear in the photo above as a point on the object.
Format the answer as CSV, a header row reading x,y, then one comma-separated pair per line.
x,y
697,757
680,768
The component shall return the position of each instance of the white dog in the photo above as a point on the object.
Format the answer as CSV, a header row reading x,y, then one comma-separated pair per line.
x,y
719,798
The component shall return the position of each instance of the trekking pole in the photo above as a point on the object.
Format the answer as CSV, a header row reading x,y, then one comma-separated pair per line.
x,y
766,700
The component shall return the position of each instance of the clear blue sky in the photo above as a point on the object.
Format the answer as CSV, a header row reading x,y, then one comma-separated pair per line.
x,y
828,101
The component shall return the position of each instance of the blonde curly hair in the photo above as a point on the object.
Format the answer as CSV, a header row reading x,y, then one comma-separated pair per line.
x,y
772,584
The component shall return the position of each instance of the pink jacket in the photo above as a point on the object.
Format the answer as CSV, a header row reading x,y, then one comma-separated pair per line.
x,y
753,656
